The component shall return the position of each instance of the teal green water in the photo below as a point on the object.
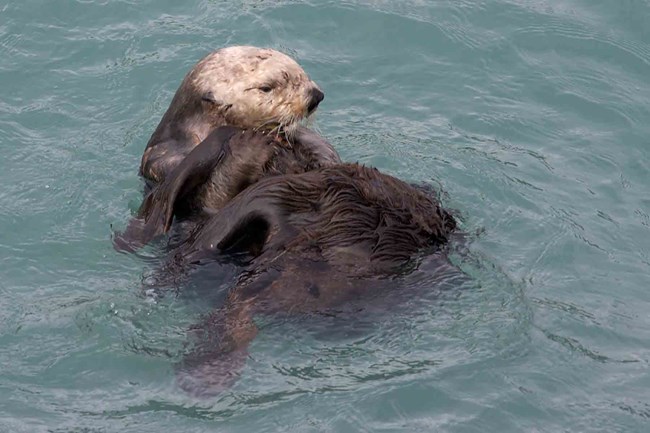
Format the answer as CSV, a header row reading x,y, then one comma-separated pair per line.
x,y
533,116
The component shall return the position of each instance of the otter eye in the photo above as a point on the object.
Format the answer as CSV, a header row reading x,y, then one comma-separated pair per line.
x,y
209,97
265,88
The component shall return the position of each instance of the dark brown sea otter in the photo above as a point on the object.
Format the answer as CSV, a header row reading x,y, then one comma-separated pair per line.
x,y
315,240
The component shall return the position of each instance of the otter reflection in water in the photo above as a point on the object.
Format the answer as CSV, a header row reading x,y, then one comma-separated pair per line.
x,y
314,241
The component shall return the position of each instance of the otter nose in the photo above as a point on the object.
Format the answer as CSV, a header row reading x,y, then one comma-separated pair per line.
x,y
316,96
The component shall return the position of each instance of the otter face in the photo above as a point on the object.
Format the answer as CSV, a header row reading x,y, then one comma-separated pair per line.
x,y
255,88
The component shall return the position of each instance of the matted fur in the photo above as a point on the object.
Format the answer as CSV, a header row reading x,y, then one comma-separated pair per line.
x,y
318,240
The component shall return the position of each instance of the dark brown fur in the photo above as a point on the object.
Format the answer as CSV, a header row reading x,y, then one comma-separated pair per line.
x,y
216,170
317,240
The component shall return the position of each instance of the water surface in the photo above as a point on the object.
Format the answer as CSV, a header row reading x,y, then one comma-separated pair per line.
x,y
532,116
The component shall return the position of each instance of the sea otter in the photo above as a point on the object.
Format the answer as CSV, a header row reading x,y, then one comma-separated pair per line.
x,y
243,86
252,88
314,240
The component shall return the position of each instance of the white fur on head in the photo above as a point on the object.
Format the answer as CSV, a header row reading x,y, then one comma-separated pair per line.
x,y
254,87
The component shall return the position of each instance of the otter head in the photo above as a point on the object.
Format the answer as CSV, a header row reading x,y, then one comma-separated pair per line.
x,y
253,88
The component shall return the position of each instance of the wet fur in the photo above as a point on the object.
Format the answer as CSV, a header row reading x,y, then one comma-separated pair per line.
x,y
220,167
316,235
316,241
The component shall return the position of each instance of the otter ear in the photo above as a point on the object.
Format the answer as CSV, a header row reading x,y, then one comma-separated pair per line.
x,y
209,97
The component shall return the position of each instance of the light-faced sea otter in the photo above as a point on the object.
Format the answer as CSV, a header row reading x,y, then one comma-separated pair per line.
x,y
252,88
243,86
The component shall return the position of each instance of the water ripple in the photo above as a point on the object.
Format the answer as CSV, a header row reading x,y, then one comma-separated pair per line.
x,y
530,117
